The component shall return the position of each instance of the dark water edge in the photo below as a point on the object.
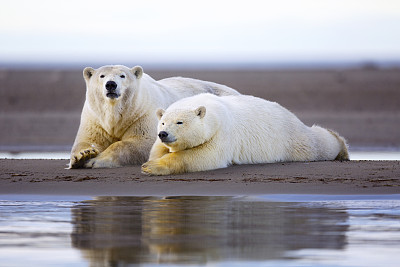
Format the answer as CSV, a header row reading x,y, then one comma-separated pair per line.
x,y
266,197
265,230
357,154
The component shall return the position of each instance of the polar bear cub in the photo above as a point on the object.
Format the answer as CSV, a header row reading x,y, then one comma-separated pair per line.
x,y
118,121
206,132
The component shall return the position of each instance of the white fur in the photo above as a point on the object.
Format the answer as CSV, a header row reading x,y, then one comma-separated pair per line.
x,y
120,131
236,130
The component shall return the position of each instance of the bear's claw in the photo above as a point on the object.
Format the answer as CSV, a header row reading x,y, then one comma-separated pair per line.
x,y
79,159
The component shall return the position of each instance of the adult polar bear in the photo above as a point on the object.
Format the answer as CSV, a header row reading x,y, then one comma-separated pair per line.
x,y
206,132
118,121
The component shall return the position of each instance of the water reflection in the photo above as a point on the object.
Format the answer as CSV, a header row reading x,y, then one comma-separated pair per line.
x,y
110,231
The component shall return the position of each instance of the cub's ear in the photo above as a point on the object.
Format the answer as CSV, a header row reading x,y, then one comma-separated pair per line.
x,y
200,111
160,113
88,73
137,71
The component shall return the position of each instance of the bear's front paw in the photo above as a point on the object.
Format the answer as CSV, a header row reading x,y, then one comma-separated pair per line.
x,y
102,161
155,167
79,159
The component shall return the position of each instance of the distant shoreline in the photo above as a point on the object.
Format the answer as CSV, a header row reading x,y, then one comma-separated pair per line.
x,y
266,65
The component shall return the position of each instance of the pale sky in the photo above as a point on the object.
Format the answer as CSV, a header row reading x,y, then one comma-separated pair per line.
x,y
199,31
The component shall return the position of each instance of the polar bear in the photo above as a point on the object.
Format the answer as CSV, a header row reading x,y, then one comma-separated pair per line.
x,y
118,121
206,132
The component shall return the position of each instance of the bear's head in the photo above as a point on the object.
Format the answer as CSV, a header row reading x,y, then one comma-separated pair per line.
x,y
181,129
111,83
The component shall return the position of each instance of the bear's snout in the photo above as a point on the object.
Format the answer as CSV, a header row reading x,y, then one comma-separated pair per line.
x,y
111,85
163,135
111,88
166,138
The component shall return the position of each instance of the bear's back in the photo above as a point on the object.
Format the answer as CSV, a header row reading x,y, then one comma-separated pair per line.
x,y
187,87
259,130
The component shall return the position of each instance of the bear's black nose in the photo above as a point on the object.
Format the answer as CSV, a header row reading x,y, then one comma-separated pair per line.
x,y
162,135
111,85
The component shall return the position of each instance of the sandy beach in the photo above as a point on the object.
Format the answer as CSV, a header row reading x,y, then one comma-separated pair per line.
x,y
40,111
333,178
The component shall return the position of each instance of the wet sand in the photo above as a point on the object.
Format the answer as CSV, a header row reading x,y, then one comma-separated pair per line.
x,y
335,178
40,111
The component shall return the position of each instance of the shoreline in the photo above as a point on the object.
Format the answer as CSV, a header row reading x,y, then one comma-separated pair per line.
x,y
49,177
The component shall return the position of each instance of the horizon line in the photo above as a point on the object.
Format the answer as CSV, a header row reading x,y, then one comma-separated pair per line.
x,y
276,64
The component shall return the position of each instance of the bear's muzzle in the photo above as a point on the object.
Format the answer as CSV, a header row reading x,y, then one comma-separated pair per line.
x,y
165,137
111,88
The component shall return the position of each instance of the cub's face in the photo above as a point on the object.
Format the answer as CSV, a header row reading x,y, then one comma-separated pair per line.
x,y
181,129
112,82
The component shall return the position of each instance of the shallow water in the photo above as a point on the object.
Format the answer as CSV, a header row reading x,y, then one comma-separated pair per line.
x,y
272,230
393,154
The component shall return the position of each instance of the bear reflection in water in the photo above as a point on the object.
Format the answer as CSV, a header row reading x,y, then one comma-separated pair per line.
x,y
125,230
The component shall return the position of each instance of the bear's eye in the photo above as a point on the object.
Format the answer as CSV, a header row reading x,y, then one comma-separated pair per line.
x,y
162,123
122,76
102,76
179,122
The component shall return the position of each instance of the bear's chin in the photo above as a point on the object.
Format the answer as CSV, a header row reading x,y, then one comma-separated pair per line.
x,y
112,95
168,142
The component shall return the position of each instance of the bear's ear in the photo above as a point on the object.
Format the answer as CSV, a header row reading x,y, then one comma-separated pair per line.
x,y
137,71
88,73
200,111
159,113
